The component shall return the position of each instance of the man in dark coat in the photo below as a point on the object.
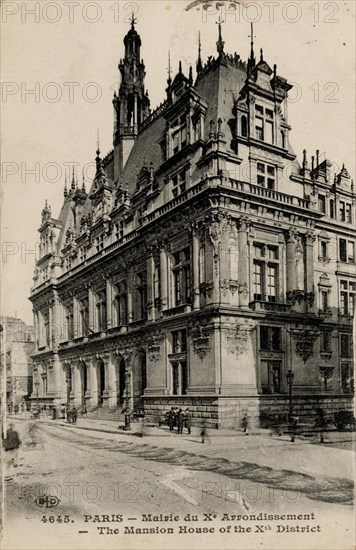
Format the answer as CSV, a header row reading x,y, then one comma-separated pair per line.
x,y
188,420
180,421
171,419
11,444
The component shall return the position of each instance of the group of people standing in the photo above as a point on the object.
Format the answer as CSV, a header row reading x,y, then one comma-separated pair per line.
x,y
177,418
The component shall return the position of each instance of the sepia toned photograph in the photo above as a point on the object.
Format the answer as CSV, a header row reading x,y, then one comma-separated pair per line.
x,y
178,275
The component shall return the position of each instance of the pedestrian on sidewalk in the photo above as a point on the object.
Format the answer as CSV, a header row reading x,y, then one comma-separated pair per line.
x,y
180,421
244,424
11,444
170,418
188,420
74,415
63,411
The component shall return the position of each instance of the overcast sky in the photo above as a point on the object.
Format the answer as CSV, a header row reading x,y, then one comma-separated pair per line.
x,y
69,51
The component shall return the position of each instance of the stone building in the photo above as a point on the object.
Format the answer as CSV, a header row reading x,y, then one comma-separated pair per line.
x,y
205,263
17,346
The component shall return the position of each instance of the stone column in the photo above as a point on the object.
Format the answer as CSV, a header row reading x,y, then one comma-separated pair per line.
x,y
196,282
91,305
309,271
243,264
76,332
109,299
50,324
56,320
150,290
163,277
76,385
290,261
129,298
93,384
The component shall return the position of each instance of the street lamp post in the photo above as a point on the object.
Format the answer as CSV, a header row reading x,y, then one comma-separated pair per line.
x,y
127,426
290,379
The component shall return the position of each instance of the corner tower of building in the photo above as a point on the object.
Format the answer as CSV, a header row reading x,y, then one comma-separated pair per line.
x,y
131,105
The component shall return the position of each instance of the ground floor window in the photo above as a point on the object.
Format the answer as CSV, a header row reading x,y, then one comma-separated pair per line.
x,y
271,376
179,377
347,378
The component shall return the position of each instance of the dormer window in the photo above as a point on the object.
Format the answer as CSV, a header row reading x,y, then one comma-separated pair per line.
x,y
179,134
99,243
179,183
266,175
264,122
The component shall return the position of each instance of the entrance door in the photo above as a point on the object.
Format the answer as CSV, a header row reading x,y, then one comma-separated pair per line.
x,y
121,385
101,383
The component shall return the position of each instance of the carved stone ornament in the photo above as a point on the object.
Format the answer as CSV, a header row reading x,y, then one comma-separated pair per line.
x,y
225,287
294,296
209,287
238,338
154,348
304,342
201,342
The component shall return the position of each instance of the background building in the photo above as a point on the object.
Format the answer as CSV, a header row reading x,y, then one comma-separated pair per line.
x,y
206,266
17,346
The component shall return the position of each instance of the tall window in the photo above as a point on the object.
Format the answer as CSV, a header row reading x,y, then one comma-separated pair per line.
x,y
84,316
179,183
342,212
324,300
345,345
322,204
271,376
266,175
347,378
270,338
141,295
325,342
119,230
347,251
244,126
347,297
120,305
348,213
332,208
202,263
70,324
179,134
101,311
99,243
181,277
264,124
283,139
156,282
266,273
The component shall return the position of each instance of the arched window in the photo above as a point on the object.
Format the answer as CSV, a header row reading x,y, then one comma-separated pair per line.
x,y
244,126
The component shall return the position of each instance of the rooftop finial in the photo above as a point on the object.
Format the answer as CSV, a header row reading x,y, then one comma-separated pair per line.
x,y
180,67
169,68
65,193
133,20
97,142
199,63
261,54
220,43
73,179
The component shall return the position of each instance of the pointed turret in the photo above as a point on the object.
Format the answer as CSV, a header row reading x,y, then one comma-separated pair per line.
x,y
65,192
131,104
251,60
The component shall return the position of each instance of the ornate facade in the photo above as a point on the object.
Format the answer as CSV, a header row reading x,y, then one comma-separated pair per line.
x,y
205,262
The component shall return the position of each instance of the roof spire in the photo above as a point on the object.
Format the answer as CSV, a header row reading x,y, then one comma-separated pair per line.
x,y
261,55
199,63
73,179
83,184
180,67
65,192
252,60
190,76
220,43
